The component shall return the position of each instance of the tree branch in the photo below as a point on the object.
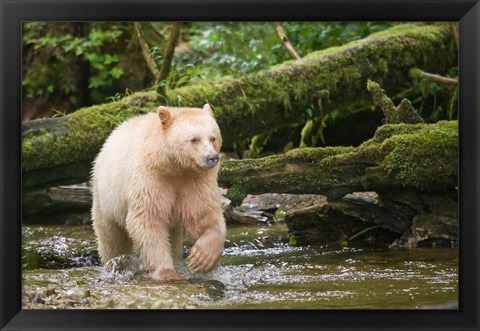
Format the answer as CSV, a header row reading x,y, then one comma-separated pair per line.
x,y
146,50
417,73
285,41
454,28
167,61
403,113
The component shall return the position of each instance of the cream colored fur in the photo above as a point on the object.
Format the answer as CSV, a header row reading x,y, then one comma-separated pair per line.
x,y
151,182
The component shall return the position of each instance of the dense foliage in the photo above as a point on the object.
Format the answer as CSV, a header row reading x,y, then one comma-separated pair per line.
x,y
219,49
70,65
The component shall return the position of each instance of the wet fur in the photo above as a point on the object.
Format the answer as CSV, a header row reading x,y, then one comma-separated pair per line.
x,y
148,188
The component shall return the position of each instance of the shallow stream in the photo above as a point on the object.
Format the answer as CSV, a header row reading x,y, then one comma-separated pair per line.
x,y
259,270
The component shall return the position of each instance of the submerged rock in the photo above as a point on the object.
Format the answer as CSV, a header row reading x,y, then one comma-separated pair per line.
x,y
58,247
76,294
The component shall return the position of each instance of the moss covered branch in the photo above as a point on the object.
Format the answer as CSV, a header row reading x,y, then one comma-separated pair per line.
x,y
420,157
404,113
253,104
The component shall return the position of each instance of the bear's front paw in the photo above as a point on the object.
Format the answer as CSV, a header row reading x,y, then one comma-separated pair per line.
x,y
206,252
165,275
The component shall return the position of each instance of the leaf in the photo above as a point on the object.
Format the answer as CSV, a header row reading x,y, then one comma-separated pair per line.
x,y
334,114
110,58
80,281
116,72
292,241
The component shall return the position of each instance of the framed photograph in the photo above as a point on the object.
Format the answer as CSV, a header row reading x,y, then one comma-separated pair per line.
x,y
239,165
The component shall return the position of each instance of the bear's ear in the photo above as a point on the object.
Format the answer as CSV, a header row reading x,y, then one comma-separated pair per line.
x,y
208,109
165,116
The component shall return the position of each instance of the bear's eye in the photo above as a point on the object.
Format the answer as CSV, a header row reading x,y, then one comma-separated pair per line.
x,y
212,139
194,140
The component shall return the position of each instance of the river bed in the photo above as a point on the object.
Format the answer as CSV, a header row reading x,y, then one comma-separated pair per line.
x,y
259,270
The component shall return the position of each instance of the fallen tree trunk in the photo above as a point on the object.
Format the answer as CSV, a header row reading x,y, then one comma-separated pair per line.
x,y
61,153
418,157
412,167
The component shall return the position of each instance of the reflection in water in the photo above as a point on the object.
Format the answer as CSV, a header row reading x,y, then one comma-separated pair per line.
x,y
258,270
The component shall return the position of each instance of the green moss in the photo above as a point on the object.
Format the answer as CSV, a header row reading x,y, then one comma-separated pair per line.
x,y
313,154
277,96
389,130
404,113
381,100
408,114
72,173
424,157
258,142
85,132
264,101
236,194
414,156
418,159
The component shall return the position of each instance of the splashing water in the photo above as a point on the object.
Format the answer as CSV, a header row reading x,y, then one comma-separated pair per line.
x,y
258,270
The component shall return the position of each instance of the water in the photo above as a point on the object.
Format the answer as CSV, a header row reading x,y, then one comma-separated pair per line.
x,y
259,270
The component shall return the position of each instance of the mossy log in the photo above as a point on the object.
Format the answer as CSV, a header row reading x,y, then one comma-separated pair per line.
x,y
61,153
418,157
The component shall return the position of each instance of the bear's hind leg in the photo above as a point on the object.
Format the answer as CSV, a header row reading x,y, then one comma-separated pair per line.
x,y
176,240
151,238
112,240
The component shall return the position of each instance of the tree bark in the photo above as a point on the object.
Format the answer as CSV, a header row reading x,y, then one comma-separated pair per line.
x,y
286,43
417,73
146,50
454,27
167,60
61,153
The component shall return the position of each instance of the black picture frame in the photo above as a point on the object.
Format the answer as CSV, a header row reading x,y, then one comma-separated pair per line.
x,y
13,12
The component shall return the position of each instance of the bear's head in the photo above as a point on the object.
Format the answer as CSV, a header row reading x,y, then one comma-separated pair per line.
x,y
192,135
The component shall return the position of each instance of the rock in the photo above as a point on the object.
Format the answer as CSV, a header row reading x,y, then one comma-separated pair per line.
x,y
252,217
108,303
159,304
320,225
363,197
50,290
430,230
272,201
436,226
262,208
405,219
58,205
38,298
76,294
37,258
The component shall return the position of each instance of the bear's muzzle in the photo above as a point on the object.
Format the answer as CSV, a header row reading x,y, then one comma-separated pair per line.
x,y
211,160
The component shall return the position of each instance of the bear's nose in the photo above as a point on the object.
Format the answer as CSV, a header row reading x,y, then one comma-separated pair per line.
x,y
212,159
